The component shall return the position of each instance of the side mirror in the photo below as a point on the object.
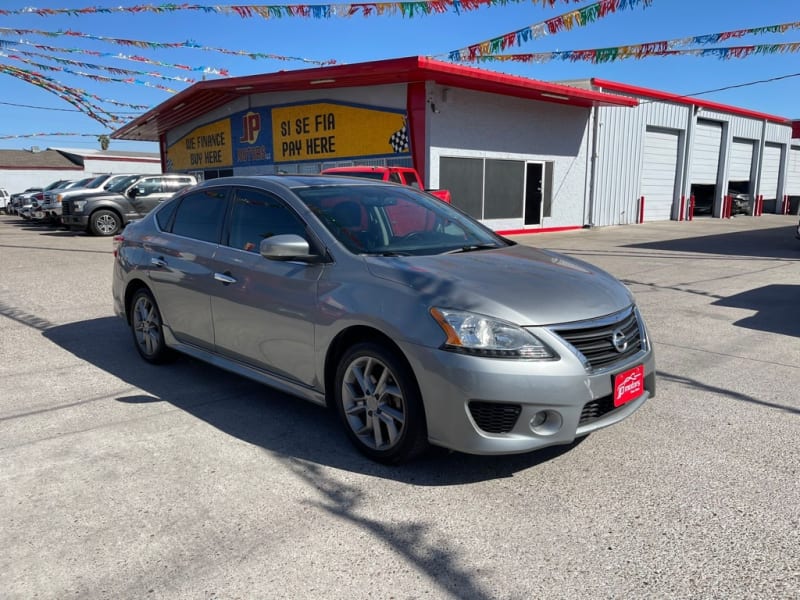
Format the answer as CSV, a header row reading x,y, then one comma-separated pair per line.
x,y
288,246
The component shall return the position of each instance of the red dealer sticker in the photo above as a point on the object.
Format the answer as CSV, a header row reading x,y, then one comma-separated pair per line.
x,y
628,385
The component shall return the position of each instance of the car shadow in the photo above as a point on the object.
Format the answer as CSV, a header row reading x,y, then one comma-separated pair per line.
x,y
775,306
254,413
776,242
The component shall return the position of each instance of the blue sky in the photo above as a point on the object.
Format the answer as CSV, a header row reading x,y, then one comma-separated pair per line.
x,y
359,38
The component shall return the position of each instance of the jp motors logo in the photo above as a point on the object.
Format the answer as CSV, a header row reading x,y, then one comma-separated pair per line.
x,y
251,127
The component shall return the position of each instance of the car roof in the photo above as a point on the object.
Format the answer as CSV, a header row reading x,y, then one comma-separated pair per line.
x,y
292,181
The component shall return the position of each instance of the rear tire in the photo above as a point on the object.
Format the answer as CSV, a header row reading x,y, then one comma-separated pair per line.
x,y
105,222
379,404
147,328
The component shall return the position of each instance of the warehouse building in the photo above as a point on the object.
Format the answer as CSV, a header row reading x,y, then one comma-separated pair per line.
x,y
519,154
23,169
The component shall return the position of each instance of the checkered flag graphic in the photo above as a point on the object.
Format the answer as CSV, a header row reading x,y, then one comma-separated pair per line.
x,y
399,140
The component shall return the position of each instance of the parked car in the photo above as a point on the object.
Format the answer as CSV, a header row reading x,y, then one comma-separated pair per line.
x,y
401,175
54,198
448,335
43,199
107,212
5,198
19,199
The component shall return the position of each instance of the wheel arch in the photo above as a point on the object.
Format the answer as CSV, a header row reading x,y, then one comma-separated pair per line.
x,y
349,337
134,285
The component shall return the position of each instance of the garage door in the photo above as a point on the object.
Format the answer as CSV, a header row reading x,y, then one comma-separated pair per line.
x,y
741,163
659,167
793,175
770,170
705,153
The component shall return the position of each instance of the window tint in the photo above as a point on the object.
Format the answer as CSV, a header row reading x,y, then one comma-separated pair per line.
x,y
200,215
257,216
173,185
153,185
164,215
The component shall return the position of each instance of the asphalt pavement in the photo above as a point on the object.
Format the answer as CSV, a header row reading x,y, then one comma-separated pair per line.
x,y
119,479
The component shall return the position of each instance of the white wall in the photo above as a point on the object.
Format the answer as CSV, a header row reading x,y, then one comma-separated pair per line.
x,y
476,124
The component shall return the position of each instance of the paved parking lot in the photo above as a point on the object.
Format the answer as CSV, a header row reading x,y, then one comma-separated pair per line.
x,y
119,479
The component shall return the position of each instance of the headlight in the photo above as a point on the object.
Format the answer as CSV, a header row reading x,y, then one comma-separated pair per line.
x,y
77,205
471,333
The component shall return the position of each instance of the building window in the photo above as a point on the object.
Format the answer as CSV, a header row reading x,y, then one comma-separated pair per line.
x,y
499,189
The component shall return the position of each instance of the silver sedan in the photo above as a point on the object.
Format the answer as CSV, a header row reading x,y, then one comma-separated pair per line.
x,y
416,323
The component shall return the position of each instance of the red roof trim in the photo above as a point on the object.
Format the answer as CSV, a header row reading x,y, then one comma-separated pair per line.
x,y
205,96
669,97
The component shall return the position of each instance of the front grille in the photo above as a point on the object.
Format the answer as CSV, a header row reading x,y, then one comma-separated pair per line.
x,y
593,339
66,208
595,409
493,417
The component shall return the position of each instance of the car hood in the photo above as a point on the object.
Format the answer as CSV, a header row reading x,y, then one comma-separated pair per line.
x,y
523,285
92,194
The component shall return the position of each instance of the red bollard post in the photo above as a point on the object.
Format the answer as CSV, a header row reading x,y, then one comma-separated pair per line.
x,y
691,207
641,210
726,207
683,204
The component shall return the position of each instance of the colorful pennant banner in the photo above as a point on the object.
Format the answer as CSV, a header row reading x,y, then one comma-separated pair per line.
x,y
77,98
155,45
566,22
100,78
54,134
134,58
114,70
606,55
279,11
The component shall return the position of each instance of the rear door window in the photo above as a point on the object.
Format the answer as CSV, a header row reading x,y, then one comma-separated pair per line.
x,y
200,215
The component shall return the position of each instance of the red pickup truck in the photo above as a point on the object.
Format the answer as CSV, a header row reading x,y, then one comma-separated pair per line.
x,y
404,175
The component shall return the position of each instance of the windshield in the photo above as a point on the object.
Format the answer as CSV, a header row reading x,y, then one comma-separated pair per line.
x,y
395,221
122,184
97,181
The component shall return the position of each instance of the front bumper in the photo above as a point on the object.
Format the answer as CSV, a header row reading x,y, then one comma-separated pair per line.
x,y
466,395
81,221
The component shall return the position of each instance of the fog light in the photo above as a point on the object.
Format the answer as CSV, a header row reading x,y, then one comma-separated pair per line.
x,y
546,422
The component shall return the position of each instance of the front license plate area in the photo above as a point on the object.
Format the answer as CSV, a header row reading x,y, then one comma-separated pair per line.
x,y
628,385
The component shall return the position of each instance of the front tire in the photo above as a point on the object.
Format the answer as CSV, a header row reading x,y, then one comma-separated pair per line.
x,y
379,403
105,222
147,328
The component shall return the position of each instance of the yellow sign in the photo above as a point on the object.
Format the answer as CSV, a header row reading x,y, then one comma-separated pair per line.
x,y
324,130
206,147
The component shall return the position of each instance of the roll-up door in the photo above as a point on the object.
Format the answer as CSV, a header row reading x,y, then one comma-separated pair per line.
x,y
741,163
659,167
770,170
793,175
705,152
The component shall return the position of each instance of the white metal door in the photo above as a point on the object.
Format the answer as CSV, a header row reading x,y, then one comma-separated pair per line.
x,y
770,170
705,152
741,163
793,175
659,168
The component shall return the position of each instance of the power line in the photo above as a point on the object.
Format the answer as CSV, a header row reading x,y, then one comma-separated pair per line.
x,y
734,86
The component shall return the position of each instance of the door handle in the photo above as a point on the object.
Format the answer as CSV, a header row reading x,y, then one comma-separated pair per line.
x,y
158,262
224,278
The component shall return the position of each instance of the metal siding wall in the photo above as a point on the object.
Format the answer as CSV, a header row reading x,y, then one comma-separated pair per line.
x,y
740,166
770,171
793,172
619,162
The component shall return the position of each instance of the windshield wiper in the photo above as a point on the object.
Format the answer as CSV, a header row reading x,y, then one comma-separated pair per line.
x,y
386,253
472,248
